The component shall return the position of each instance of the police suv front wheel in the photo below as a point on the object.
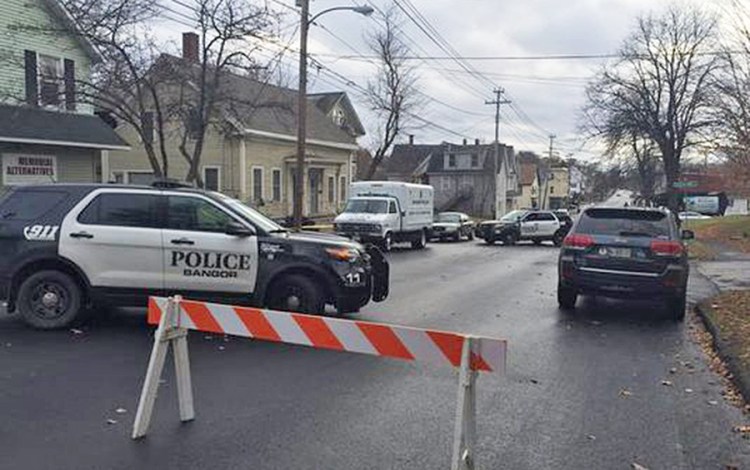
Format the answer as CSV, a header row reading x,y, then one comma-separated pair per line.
x,y
297,293
49,300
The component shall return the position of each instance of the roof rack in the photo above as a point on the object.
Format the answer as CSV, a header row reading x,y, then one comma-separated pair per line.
x,y
169,183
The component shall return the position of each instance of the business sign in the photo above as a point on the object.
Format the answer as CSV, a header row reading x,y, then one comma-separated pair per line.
x,y
703,204
28,169
684,184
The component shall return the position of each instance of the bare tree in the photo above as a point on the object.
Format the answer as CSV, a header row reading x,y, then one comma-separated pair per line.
x,y
659,88
392,94
163,97
732,102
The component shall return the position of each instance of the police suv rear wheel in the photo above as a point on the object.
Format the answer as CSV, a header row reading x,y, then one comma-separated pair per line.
x,y
297,293
49,300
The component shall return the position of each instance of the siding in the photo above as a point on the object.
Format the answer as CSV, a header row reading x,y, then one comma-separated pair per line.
x,y
18,19
74,165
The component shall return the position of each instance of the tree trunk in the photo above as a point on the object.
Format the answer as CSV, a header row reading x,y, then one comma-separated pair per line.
x,y
672,173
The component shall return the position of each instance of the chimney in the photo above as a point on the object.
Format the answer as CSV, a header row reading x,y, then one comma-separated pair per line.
x,y
190,43
411,139
464,141
476,141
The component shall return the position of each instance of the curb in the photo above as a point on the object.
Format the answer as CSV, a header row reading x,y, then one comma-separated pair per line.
x,y
740,376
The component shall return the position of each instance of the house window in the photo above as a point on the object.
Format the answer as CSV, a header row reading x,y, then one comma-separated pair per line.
x,y
50,81
212,178
331,189
552,190
342,189
276,183
118,177
258,185
451,160
474,160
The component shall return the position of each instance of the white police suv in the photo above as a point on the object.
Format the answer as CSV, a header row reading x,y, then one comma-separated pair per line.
x,y
67,247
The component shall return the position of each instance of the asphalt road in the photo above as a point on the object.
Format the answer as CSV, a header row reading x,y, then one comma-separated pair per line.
x,y
582,390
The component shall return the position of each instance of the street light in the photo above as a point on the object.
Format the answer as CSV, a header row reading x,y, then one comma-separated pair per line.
x,y
305,23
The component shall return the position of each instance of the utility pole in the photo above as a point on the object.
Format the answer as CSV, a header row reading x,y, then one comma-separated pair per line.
x,y
499,100
543,204
299,183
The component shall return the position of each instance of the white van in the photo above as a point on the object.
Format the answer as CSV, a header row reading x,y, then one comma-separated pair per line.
x,y
387,212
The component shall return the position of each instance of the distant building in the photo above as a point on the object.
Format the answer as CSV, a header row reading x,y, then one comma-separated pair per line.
x,y
466,177
529,198
555,188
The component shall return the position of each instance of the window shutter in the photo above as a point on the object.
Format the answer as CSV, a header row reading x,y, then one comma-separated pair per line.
x,y
32,95
70,84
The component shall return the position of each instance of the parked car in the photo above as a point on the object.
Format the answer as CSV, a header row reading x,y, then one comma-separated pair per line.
x,y
691,215
626,253
536,226
453,226
66,247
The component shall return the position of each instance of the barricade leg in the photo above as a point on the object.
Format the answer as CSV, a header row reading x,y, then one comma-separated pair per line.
x,y
465,427
166,334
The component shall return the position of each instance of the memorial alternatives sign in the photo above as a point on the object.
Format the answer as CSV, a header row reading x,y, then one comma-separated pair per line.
x,y
28,169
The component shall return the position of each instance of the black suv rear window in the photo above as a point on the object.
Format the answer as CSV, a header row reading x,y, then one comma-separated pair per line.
x,y
625,222
29,204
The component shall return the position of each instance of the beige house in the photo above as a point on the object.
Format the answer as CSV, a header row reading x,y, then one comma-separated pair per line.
x,y
529,198
556,188
250,153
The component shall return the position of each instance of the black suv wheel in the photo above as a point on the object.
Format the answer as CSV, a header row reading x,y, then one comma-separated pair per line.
x,y
296,293
566,297
49,300
676,307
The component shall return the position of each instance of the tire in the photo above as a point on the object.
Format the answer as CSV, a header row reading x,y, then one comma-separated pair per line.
x,y
456,237
509,239
558,238
387,243
676,307
470,236
50,300
421,242
297,293
489,241
566,297
537,241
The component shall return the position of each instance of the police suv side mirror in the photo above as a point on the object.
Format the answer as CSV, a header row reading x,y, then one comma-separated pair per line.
x,y
687,235
238,230
403,213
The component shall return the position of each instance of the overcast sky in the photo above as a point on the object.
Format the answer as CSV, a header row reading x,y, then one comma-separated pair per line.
x,y
547,93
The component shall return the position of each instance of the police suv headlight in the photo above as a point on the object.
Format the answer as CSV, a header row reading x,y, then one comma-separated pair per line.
x,y
350,255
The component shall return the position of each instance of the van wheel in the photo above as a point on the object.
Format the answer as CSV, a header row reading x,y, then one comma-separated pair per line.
x,y
489,241
388,241
297,293
421,242
50,300
537,241
566,297
470,236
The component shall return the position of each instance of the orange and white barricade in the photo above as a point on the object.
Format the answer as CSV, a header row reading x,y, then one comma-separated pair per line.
x,y
175,317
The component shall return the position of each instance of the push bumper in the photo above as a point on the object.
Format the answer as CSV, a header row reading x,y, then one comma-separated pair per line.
x,y
362,283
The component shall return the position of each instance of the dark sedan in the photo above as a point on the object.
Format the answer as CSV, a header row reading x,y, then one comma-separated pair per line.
x,y
625,253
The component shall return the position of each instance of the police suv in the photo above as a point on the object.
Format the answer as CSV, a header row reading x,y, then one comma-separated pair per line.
x,y
534,225
67,247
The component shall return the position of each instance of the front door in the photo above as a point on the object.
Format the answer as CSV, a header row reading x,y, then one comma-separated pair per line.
x,y
199,256
113,236
315,175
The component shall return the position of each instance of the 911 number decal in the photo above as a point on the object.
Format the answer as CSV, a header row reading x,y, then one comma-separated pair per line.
x,y
45,233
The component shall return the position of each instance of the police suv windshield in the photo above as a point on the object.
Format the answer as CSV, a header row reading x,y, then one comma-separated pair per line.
x,y
367,206
253,216
513,216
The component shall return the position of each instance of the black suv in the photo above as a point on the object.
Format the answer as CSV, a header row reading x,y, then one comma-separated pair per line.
x,y
626,253
65,247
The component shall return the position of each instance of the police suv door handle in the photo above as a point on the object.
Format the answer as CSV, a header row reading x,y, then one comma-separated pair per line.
x,y
182,241
81,235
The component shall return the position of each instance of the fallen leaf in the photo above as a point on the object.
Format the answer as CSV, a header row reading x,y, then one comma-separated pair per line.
x,y
741,429
111,421
625,393
121,411
666,383
591,437
673,370
76,331
637,466
688,390
713,402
